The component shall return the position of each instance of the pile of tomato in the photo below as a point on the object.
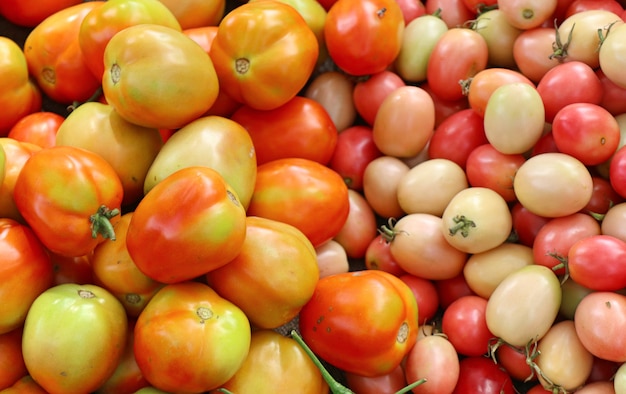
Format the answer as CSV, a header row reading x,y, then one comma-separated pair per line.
x,y
236,197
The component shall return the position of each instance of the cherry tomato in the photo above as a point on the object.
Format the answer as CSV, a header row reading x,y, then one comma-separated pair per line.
x,y
532,52
487,167
433,358
331,258
24,14
425,294
359,228
500,36
380,185
191,14
597,262
354,150
453,12
609,60
603,198
482,375
378,257
368,95
334,90
387,383
465,325
12,361
527,14
526,224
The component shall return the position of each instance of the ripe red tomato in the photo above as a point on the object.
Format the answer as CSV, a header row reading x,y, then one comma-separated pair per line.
x,y
526,224
12,361
378,257
449,290
465,325
377,26
617,172
487,167
39,128
369,94
425,294
354,150
23,13
481,375
598,262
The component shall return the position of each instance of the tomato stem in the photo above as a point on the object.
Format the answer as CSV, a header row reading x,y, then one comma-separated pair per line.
x,y
101,222
562,264
225,391
94,97
387,230
559,48
462,224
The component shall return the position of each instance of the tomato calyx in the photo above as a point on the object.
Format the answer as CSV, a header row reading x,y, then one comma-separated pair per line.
x,y
101,222
388,232
462,225
559,48
603,33
86,294
562,264
333,384
242,65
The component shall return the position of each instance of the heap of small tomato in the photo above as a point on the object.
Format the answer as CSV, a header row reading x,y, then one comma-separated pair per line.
x,y
422,196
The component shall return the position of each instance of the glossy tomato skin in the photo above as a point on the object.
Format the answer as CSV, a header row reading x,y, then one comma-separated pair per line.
x,y
377,25
38,128
12,361
16,153
487,167
189,339
465,325
526,224
24,14
303,193
481,375
354,150
25,262
617,172
55,59
598,262
193,222
329,325
369,94
387,383
299,128
248,71
85,317
41,195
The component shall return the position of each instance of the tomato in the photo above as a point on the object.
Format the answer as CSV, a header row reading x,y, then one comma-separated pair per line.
x,y
453,12
84,317
21,96
418,41
609,60
527,14
500,36
599,317
597,262
407,107
69,227
299,128
329,325
99,25
275,361
526,224
468,48
582,5
450,290
518,316
532,52
482,375
369,94
25,262
248,70
617,171
556,90
556,237
545,144
203,228
387,383
611,222
197,13
55,59
24,14
514,118
16,153
425,294
334,90
359,228
354,150
139,55
129,148
303,193
331,258
464,324
587,132
378,257
603,198
513,361
553,185
269,301
12,362
71,269
420,248
381,180
572,293
39,128
189,339
482,85
377,25
433,358
457,136
487,167
476,219
484,271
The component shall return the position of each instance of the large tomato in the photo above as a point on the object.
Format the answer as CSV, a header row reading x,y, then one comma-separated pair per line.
x,y
156,76
189,339
16,153
303,193
332,322
66,318
249,69
187,225
69,226
24,13
376,25
39,128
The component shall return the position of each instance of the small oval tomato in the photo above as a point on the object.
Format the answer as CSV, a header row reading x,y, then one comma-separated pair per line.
x,y
332,258
39,128
532,52
380,185
334,90
598,262
465,325
369,94
481,375
98,326
205,231
25,262
269,301
248,69
612,221
359,228
488,167
354,150
12,362
500,36
330,327
432,358
527,14
189,339
609,55
453,12
518,316
378,257
425,294
485,82
299,128
526,224
377,25
303,193
76,226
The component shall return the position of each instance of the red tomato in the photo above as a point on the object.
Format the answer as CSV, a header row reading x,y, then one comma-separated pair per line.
x,y
23,13
454,12
603,197
481,375
526,224
487,167
299,128
450,290
329,325
513,360
465,325
360,227
376,25
598,262
378,257
457,136
532,52
545,144
354,150
425,294
577,6
12,361
617,172
369,94
411,9
613,97
444,108
39,128
303,193
387,383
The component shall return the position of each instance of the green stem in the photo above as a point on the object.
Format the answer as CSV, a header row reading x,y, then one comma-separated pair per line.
x,y
94,97
101,222
225,391
463,225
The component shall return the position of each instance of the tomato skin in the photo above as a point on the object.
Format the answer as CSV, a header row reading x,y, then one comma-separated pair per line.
x,y
24,14
55,59
16,153
465,325
303,193
481,375
603,198
433,358
12,362
366,22
299,128
248,71
276,362
39,128
269,301
388,383
182,247
598,262
532,50
378,257
360,227
425,294
617,172
450,290
334,90
354,150
192,14
41,191
487,167
368,95
189,339
56,366
329,325
526,224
